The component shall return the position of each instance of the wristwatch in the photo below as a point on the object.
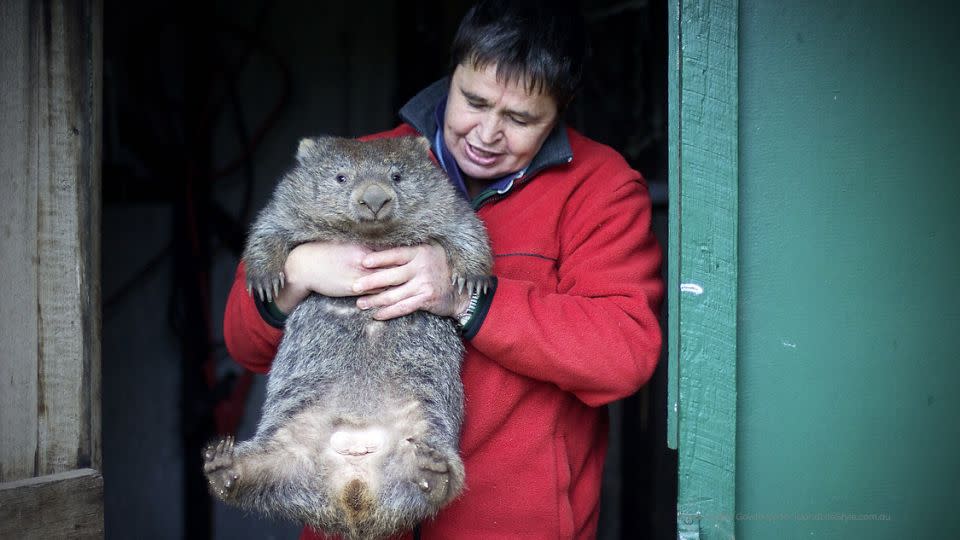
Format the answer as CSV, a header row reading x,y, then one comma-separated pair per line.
x,y
464,318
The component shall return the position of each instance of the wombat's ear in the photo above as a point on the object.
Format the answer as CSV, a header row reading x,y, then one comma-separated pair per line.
x,y
307,147
424,143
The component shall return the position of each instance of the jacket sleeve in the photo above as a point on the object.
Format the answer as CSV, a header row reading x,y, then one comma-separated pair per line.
x,y
597,335
250,340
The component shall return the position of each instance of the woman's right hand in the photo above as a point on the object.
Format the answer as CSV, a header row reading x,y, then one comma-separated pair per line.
x,y
325,268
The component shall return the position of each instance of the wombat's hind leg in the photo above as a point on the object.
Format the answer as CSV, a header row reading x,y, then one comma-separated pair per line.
x,y
218,466
266,476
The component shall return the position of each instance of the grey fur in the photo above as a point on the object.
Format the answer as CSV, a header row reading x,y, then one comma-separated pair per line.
x,y
360,428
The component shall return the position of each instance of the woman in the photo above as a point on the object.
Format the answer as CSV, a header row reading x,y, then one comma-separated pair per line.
x,y
569,324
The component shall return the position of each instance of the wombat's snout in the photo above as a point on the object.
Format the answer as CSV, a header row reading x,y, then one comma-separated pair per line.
x,y
374,201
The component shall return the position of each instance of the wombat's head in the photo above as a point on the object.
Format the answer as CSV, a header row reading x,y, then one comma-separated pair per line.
x,y
369,187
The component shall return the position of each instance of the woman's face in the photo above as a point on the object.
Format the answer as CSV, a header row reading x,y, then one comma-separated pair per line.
x,y
493,128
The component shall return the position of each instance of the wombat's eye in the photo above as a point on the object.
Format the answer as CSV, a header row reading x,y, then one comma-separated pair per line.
x,y
341,178
395,177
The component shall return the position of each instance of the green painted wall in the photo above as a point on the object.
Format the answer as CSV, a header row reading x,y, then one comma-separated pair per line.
x,y
849,306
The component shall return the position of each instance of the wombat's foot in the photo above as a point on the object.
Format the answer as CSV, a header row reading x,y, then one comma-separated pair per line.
x,y
433,473
218,466
472,283
266,284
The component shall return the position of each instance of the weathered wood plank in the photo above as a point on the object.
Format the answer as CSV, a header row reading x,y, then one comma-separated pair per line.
x,y
61,337
66,176
63,505
90,220
704,313
18,246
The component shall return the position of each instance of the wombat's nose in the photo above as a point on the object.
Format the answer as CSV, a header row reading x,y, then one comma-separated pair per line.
x,y
375,198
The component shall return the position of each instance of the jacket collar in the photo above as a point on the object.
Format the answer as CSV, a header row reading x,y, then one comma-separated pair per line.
x,y
420,113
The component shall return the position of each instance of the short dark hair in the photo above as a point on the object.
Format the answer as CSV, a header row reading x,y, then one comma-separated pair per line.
x,y
543,43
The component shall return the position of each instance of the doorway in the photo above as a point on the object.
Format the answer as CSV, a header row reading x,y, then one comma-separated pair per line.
x,y
203,105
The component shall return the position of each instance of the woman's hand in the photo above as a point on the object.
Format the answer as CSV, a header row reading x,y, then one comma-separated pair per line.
x,y
324,268
406,279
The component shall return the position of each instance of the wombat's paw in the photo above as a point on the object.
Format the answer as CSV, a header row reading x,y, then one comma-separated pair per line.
x,y
433,473
266,284
471,284
218,466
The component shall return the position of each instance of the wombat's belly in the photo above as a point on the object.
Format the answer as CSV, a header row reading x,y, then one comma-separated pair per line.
x,y
378,405
339,359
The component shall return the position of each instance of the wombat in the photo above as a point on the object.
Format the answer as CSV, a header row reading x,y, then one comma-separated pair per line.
x,y
360,428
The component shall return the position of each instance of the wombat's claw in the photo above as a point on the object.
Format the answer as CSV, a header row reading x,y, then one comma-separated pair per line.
x,y
472,284
432,473
217,465
267,289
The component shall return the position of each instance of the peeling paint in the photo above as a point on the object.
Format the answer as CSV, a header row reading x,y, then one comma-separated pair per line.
x,y
691,288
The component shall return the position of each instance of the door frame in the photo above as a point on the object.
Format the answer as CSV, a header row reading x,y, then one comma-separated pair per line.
x,y
702,275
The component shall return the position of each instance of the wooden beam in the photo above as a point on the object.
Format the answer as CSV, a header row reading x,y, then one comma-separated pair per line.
x,y
67,176
50,83
63,505
703,247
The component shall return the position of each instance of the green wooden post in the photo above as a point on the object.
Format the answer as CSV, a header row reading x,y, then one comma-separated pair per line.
x,y
703,262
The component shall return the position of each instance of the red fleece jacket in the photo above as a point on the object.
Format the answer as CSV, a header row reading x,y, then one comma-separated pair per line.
x,y
572,327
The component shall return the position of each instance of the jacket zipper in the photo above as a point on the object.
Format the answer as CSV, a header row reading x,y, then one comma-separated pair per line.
x,y
490,195
486,195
